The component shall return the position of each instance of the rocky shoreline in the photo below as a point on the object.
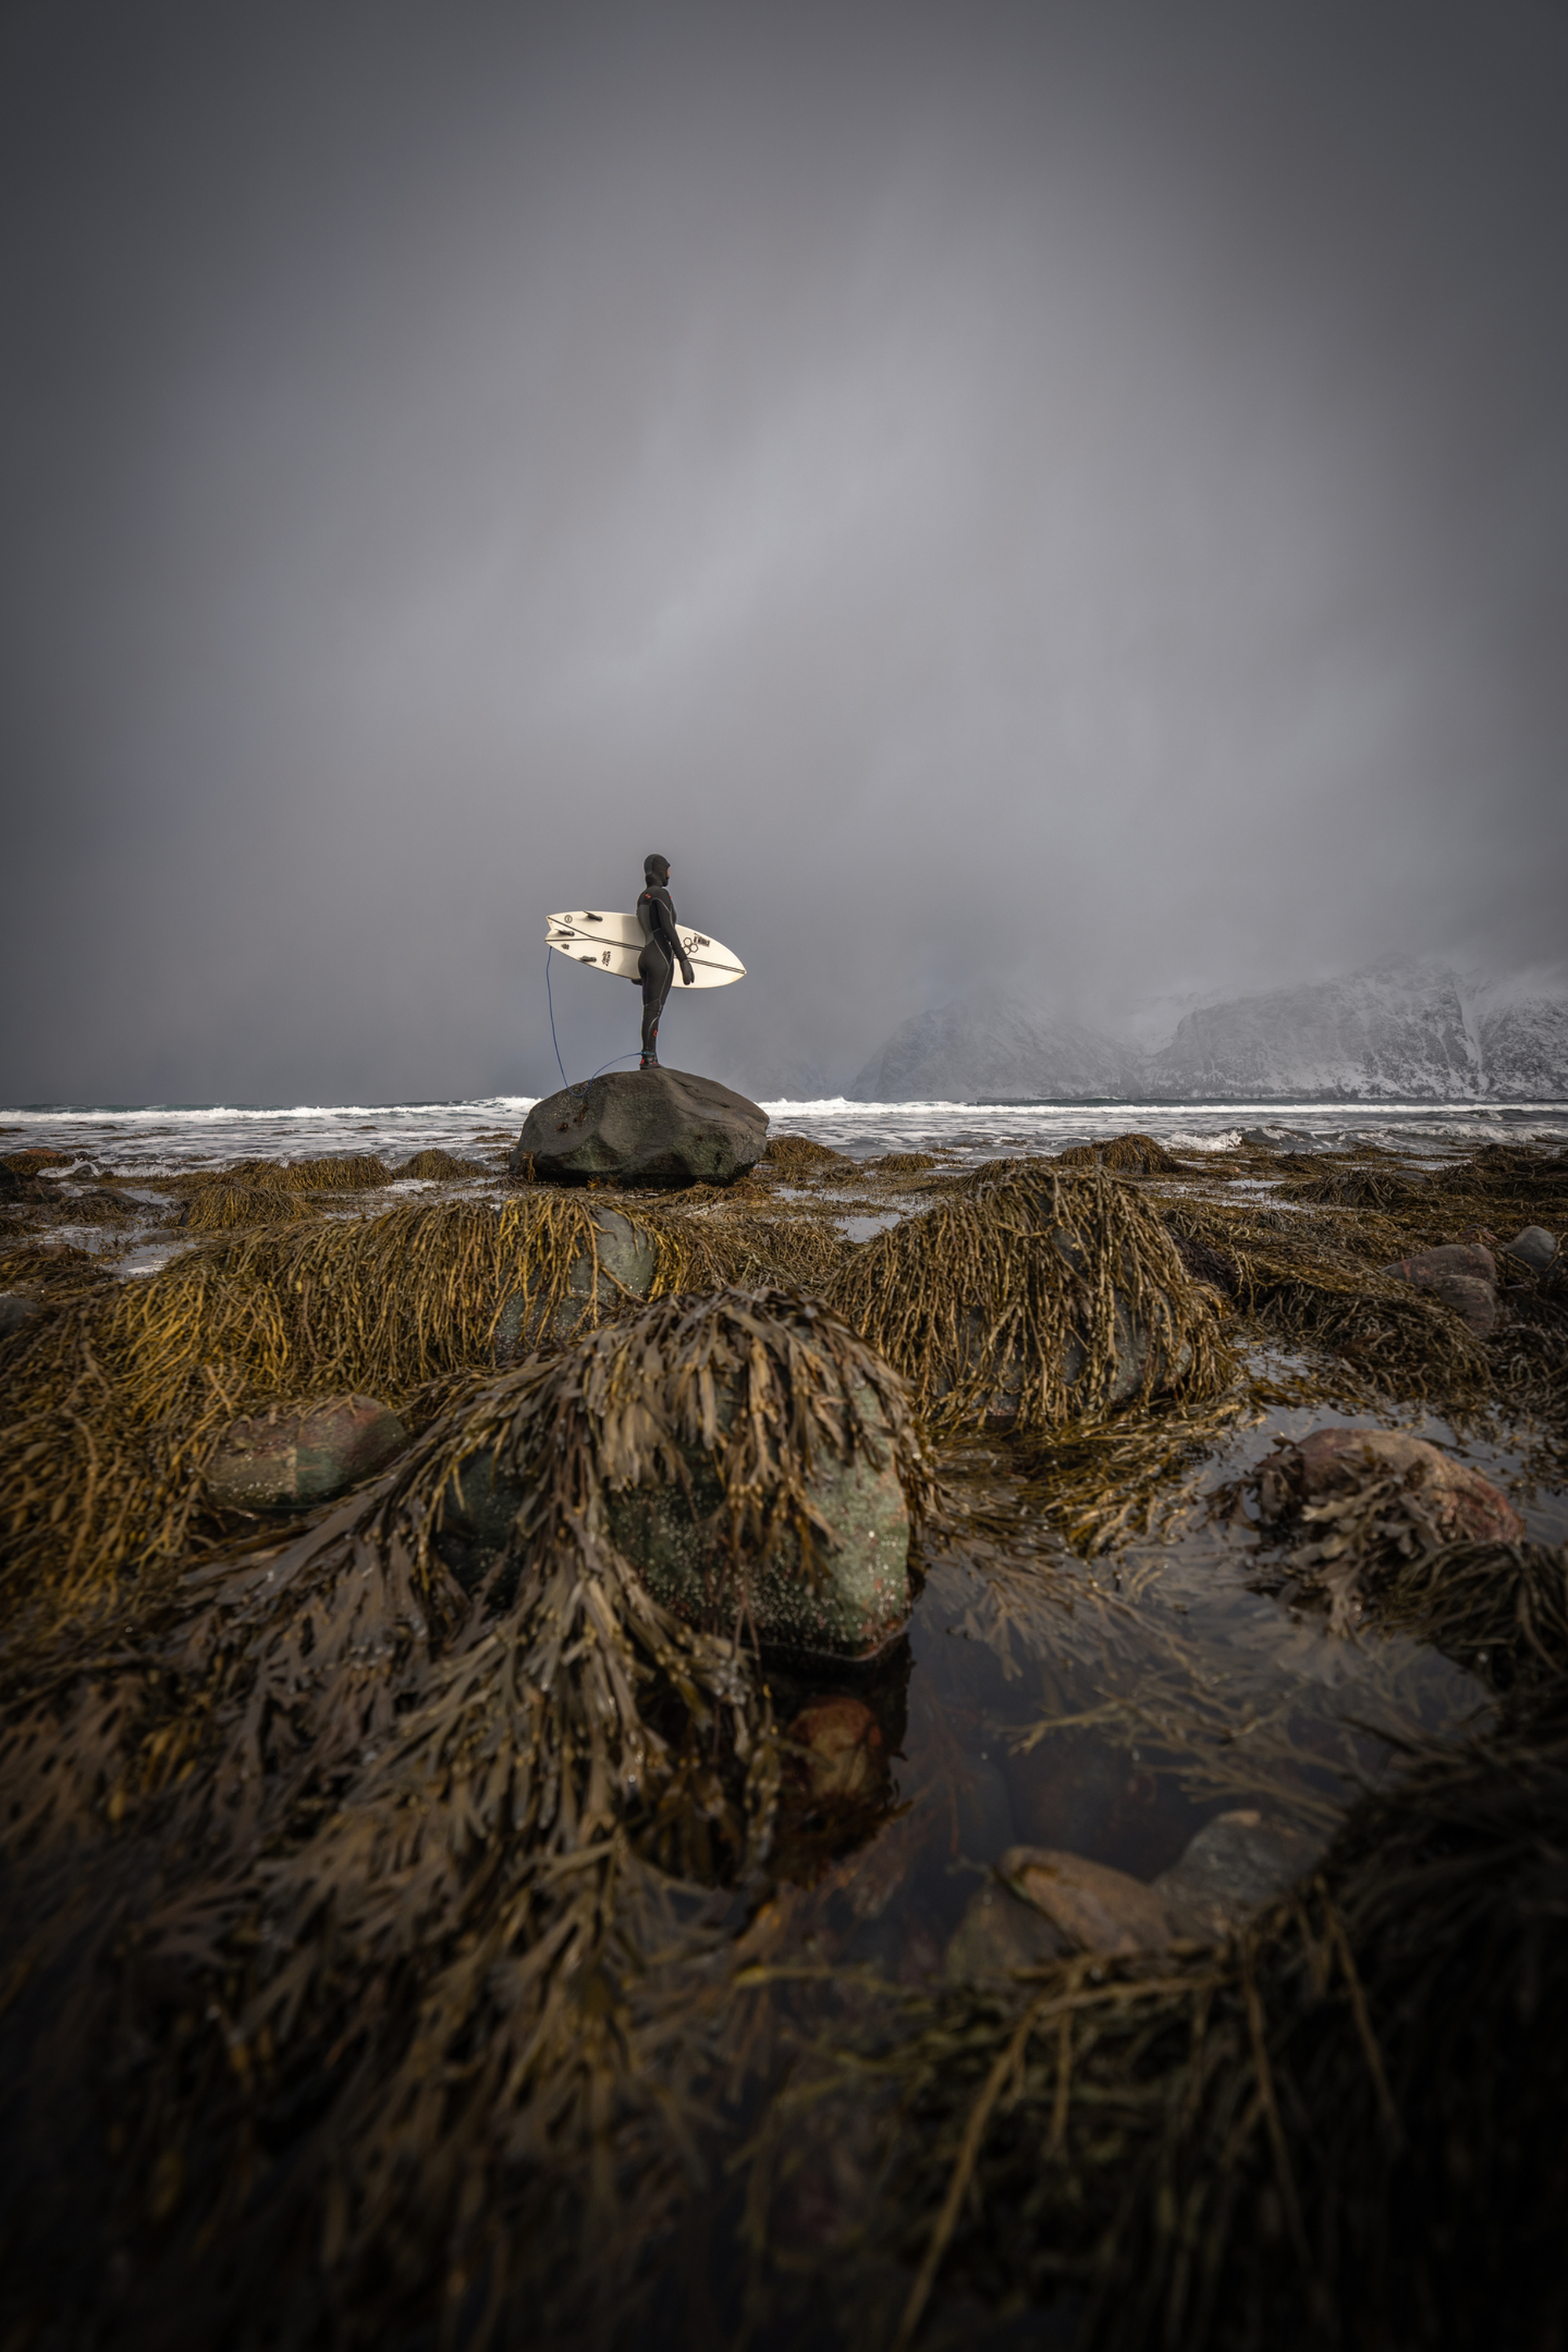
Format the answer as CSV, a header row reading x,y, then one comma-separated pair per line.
x,y
565,1738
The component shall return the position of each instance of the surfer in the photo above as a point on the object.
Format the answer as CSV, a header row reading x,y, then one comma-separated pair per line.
x,y
661,951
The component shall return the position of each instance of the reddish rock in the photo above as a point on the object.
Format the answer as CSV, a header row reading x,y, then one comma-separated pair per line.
x,y
1458,1505
290,1458
1462,1274
843,1756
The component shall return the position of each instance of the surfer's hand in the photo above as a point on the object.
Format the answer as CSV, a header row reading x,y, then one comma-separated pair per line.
x,y
685,978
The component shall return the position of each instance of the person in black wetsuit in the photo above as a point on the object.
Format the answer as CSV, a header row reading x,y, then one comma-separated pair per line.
x,y
661,951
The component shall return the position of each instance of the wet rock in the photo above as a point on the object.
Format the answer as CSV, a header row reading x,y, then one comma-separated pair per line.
x,y
288,1459
841,1753
1237,1863
642,1127
850,1603
14,1310
1462,1274
1535,1248
855,1602
1091,1907
998,1933
1455,1502
627,1261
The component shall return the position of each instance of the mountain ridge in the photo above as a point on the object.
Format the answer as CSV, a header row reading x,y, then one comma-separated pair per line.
x,y
1403,1030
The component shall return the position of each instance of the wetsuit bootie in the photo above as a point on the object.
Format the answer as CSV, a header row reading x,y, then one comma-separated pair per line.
x,y
649,1062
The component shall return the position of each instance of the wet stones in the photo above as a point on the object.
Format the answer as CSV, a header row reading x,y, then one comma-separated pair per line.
x,y
837,1755
641,1127
1443,1500
1462,1274
1089,1908
288,1459
1045,1904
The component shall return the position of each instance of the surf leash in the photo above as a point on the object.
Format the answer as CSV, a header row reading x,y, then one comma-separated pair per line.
x,y
550,998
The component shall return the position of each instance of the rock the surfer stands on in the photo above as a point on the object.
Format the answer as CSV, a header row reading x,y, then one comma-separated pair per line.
x,y
641,1127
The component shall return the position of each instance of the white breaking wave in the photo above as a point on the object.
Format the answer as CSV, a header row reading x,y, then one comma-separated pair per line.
x,y
152,1137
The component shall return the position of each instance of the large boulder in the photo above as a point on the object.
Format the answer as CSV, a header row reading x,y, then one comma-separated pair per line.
x,y
294,1456
641,1127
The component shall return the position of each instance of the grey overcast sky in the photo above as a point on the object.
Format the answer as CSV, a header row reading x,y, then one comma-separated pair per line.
x,y
1071,494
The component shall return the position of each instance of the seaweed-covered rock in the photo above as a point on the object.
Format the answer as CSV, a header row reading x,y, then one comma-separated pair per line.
x,y
1036,1301
642,1127
751,1462
1445,1499
14,1310
289,1458
1463,1275
621,1264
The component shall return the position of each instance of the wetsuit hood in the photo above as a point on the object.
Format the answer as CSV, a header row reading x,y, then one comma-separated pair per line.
x,y
655,869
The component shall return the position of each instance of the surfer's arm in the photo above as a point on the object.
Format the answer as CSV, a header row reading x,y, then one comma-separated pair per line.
x,y
670,937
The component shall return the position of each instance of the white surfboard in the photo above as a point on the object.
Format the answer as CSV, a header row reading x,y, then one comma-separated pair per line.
x,y
612,943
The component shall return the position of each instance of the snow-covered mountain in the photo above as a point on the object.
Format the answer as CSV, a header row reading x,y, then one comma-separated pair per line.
x,y
1415,1031
991,1043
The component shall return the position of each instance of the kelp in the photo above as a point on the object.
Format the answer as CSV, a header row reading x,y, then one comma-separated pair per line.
x,y
800,1152
1132,1154
410,1847
1303,1288
1025,1281
436,1164
225,1208
1358,1188
1346,2125
117,1399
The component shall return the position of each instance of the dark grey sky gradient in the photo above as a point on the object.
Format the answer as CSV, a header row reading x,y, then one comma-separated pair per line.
x,y
1075,495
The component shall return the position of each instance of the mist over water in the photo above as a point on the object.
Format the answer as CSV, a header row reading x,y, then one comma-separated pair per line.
x,y
1070,497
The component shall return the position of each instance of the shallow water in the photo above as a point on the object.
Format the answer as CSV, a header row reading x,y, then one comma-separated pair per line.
x,y
1110,1708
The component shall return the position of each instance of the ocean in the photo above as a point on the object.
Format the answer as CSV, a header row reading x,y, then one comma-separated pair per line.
x,y
149,1139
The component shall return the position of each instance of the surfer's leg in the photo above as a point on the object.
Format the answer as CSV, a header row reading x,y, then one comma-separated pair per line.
x,y
658,971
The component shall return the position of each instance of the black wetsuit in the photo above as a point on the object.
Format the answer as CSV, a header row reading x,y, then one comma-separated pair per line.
x,y
661,952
